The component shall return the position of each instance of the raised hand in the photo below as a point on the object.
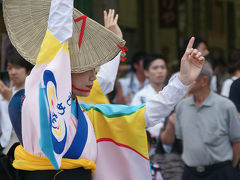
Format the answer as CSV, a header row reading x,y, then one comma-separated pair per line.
x,y
6,91
191,64
110,22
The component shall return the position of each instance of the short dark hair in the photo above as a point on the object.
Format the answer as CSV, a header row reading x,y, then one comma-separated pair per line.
x,y
150,58
15,58
234,61
136,59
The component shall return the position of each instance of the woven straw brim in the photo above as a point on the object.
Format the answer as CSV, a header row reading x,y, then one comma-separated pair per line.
x,y
26,23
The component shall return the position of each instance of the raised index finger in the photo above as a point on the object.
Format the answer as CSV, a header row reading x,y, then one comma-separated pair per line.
x,y
190,43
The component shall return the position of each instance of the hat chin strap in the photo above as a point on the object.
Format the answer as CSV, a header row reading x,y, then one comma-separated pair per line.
x,y
80,90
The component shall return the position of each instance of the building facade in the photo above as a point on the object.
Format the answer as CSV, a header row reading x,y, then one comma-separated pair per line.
x,y
162,26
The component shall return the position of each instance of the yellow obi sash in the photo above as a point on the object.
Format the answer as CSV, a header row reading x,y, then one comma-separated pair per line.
x,y
24,160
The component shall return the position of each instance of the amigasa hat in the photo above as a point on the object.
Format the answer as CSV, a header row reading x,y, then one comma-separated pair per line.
x,y
91,44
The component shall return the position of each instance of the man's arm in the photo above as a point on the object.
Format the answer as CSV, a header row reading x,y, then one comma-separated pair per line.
x,y
168,135
236,153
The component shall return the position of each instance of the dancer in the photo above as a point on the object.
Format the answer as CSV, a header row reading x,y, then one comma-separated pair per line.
x,y
61,138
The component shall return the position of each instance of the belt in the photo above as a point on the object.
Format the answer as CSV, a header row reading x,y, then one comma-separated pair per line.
x,y
203,169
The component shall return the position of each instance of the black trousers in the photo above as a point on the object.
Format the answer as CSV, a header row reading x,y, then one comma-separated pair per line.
x,y
69,174
8,172
226,172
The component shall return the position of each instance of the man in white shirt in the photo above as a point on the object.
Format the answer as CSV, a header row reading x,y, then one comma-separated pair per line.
x,y
155,70
134,81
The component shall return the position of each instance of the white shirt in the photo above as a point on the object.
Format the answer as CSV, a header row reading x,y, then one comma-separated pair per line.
x,y
213,84
9,136
226,86
5,123
143,95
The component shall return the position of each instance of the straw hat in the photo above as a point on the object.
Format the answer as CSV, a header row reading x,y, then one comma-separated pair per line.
x,y
26,24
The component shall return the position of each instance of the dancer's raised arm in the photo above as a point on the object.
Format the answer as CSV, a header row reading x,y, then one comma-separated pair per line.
x,y
163,103
108,72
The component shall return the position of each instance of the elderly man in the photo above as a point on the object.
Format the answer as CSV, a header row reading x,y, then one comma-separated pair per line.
x,y
209,126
